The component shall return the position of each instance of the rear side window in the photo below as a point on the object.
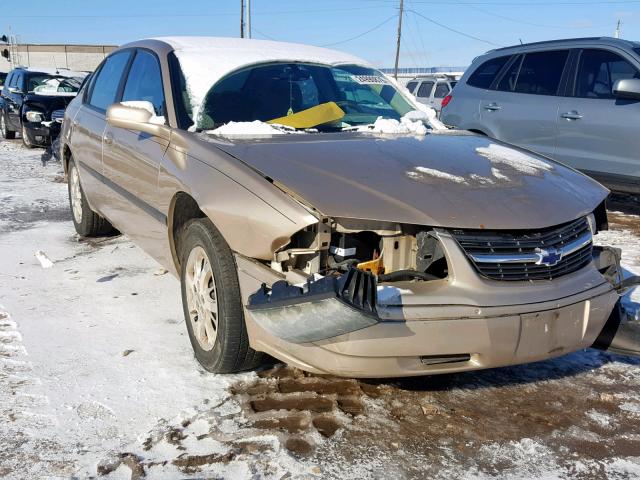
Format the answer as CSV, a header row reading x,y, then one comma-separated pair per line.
x,y
145,81
442,90
105,86
485,74
598,71
425,90
411,86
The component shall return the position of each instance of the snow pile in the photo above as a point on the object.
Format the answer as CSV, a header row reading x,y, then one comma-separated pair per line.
x,y
247,128
148,106
392,126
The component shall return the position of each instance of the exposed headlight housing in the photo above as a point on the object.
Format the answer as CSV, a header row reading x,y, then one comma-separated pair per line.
x,y
34,116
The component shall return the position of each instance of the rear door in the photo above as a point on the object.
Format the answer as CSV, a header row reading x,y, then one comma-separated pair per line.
x,y
523,108
598,133
87,128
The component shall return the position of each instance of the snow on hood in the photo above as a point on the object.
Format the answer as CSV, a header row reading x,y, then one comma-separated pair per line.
x,y
392,126
206,60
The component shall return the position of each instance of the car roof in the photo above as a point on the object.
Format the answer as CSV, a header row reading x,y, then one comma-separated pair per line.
x,y
569,42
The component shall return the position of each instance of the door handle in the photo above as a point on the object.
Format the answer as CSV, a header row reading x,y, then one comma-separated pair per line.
x,y
493,106
572,115
108,138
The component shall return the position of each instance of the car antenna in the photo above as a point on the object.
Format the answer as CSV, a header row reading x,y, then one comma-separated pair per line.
x,y
520,41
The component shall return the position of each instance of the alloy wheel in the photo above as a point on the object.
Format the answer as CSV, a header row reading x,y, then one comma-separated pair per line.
x,y
202,300
75,195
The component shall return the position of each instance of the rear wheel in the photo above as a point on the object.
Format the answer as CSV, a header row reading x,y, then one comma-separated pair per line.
x,y
87,222
4,128
212,302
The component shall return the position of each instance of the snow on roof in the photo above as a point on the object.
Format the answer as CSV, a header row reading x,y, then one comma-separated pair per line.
x,y
206,60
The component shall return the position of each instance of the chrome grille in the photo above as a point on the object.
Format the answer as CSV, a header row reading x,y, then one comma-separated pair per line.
x,y
528,255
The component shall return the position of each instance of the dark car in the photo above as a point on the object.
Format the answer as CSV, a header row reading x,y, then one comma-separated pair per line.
x,y
33,103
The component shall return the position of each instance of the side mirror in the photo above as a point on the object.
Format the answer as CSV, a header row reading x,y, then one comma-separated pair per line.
x,y
14,90
628,89
137,116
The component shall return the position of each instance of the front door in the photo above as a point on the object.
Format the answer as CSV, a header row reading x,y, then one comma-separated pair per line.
x,y
598,133
131,159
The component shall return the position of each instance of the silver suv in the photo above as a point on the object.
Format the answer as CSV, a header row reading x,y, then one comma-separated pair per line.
x,y
431,90
576,100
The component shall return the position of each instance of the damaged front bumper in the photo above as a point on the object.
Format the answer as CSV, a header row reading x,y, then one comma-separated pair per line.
x,y
621,333
321,309
354,326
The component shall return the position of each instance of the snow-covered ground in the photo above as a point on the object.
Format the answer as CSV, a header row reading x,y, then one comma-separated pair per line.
x,y
97,378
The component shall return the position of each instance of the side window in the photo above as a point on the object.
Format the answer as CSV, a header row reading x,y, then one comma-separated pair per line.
x,y
540,72
425,90
18,81
442,90
485,74
105,86
508,81
598,70
411,86
145,81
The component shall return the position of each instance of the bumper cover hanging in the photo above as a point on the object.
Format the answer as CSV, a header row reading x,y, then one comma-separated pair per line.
x,y
322,309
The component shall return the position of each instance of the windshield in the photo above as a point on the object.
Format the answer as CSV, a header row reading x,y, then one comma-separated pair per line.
x,y
52,84
346,96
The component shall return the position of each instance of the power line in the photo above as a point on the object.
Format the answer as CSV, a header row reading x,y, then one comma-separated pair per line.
x,y
361,34
451,29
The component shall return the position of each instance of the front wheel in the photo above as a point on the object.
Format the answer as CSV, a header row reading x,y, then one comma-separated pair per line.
x,y
86,222
4,128
212,302
26,139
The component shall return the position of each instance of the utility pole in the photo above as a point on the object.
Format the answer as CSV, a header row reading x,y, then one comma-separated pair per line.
x,y
241,18
248,18
395,70
617,32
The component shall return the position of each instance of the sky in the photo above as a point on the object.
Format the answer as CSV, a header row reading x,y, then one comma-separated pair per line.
x,y
435,32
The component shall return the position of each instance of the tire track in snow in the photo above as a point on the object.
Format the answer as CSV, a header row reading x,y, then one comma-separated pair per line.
x,y
25,449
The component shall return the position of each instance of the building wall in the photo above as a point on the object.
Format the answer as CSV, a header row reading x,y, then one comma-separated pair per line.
x,y
72,57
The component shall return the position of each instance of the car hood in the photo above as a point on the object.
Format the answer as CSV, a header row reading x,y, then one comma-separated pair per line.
x,y
451,179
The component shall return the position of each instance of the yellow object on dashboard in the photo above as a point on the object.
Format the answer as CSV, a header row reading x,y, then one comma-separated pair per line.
x,y
312,117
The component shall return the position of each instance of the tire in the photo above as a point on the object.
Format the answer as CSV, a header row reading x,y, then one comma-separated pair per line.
x,y
221,343
4,128
26,141
87,222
